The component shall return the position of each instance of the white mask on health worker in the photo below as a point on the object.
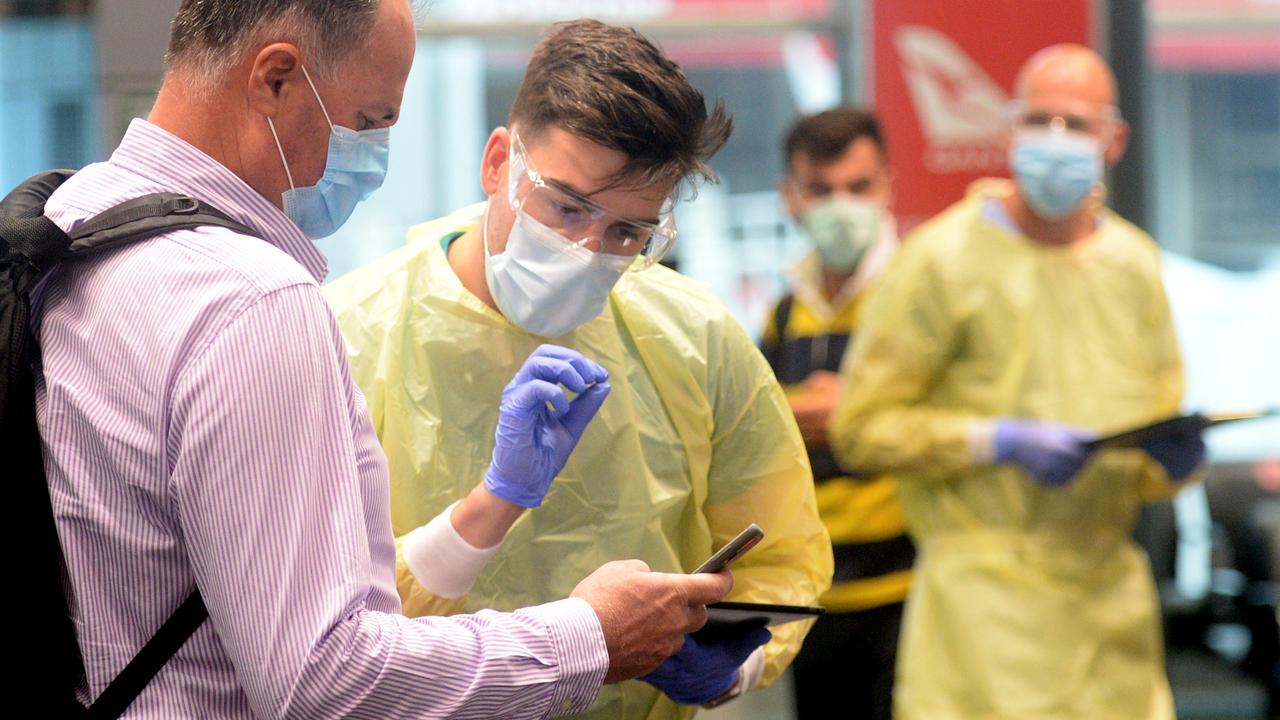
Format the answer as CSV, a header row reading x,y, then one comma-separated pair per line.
x,y
564,253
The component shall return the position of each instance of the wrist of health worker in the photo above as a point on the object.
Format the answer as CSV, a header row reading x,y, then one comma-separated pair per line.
x,y
483,518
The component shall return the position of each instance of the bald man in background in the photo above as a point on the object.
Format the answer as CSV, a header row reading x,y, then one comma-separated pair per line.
x,y
1010,330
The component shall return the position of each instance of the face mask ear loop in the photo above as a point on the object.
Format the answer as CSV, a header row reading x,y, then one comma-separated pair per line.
x,y
307,75
280,148
484,232
515,152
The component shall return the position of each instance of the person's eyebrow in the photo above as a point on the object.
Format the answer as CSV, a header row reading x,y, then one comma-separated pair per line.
x,y
570,189
577,194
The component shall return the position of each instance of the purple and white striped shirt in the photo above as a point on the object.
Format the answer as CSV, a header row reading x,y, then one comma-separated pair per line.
x,y
201,429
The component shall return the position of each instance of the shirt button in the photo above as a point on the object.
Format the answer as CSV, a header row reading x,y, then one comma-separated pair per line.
x,y
566,704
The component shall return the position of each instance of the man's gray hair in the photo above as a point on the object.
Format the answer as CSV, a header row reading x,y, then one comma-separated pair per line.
x,y
208,37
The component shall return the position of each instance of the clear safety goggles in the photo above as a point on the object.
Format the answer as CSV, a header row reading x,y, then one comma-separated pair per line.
x,y
616,241
1097,122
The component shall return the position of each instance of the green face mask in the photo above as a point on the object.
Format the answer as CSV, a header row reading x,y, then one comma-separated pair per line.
x,y
842,229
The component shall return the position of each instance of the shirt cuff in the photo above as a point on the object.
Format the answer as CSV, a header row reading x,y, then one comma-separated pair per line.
x,y
442,562
982,441
578,639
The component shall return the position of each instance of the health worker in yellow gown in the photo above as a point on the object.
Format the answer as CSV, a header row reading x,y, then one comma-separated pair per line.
x,y
695,440
1010,330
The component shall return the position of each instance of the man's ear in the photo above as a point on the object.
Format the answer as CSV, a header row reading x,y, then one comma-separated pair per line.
x,y
276,70
790,196
1119,142
496,153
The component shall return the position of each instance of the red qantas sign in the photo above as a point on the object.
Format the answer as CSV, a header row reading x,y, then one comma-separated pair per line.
x,y
943,77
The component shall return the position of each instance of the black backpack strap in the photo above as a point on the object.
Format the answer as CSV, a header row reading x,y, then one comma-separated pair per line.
x,y
126,687
148,216
29,233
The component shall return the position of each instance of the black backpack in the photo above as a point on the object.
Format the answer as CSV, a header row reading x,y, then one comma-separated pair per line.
x,y
48,661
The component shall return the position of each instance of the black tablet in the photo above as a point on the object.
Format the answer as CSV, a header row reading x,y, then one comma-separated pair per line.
x,y
1195,422
730,618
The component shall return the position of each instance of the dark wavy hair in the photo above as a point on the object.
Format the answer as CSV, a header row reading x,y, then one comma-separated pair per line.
x,y
825,136
612,86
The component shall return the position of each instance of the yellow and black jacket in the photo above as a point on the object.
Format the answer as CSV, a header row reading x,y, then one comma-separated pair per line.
x,y
873,555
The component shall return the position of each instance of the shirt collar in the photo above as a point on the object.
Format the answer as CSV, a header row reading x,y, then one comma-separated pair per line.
x,y
175,164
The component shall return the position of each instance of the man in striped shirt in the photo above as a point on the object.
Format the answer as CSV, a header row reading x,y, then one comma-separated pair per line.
x,y
201,429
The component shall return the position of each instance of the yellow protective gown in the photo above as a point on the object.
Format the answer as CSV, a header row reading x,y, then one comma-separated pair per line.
x,y
694,442
1028,602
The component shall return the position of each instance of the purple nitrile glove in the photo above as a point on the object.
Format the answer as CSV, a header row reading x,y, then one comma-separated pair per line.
x,y
538,426
1049,452
705,671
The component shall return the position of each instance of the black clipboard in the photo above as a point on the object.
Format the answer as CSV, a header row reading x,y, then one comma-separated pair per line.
x,y
732,618
1193,423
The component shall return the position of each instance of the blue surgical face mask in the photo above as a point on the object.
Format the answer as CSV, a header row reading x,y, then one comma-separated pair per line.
x,y
1055,170
544,283
355,167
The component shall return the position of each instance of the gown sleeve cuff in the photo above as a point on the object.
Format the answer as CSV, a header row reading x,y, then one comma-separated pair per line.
x,y
751,671
441,561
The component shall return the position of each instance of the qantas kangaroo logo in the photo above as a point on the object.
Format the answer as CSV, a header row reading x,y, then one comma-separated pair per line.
x,y
960,108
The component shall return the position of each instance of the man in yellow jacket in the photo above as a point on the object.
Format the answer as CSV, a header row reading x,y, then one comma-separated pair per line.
x,y
1007,333
695,440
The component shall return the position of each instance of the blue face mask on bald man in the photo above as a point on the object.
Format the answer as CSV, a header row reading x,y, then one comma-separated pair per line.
x,y
355,167
1056,169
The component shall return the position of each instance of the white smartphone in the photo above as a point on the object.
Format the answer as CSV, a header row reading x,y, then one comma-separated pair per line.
x,y
736,547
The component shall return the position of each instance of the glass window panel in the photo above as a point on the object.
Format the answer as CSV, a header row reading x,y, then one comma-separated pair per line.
x,y
1213,132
